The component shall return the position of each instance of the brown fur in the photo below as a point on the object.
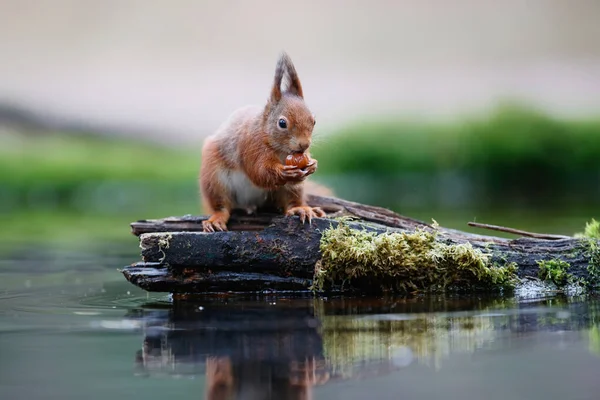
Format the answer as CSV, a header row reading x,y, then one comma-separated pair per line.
x,y
243,162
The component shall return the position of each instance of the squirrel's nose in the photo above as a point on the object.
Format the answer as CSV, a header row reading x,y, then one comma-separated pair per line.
x,y
303,146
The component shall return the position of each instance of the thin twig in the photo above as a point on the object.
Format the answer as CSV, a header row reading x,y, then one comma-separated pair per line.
x,y
518,231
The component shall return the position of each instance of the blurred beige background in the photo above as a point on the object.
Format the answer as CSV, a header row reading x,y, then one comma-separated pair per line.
x,y
175,69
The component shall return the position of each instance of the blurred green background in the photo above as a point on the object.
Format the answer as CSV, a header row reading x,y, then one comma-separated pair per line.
x,y
515,166
460,112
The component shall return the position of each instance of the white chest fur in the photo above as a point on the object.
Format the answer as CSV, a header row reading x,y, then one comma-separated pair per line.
x,y
243,192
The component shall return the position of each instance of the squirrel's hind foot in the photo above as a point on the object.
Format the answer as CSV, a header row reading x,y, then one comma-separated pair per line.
x,y
306,212
216,222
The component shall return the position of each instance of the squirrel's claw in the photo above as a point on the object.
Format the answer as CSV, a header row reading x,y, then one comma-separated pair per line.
x,y
311,167
214,226
216,222
220,226
207,226
306,213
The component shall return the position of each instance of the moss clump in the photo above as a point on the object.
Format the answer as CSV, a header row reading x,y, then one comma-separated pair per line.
x,y
591,231
405,261
590,237
594,265
556,271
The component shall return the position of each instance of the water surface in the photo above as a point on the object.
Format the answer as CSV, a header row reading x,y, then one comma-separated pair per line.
x,y
71,327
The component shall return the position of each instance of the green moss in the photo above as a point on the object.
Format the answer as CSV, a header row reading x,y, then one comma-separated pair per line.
x,y
594,265
556,271
405,261
591,231
591,251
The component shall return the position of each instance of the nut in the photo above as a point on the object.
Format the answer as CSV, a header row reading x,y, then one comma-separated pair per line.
x,y
300,160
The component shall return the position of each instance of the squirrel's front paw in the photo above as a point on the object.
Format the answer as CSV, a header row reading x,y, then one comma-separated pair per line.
x,y
306,212
311,167
291,173
216,222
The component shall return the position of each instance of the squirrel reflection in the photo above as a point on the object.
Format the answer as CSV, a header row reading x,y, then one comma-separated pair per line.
x,y
226,380
245,354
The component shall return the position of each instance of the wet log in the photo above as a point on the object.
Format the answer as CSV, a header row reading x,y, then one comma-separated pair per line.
x,y
274,252
156,277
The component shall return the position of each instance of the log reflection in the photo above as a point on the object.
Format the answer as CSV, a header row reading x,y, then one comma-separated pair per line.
x,y
284,348
245,351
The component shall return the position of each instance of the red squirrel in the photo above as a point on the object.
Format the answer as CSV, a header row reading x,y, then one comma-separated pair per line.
x,y
243,162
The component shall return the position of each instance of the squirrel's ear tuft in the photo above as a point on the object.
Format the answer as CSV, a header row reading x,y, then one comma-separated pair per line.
x,y
276,90
295,87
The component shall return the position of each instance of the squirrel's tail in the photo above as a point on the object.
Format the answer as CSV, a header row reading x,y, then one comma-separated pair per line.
x,y
285,64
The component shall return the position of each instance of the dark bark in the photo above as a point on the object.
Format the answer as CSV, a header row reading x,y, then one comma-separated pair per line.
x,y
270,251
285,247
155,277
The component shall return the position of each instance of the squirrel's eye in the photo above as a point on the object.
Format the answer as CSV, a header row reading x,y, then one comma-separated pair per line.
x,y
282,123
